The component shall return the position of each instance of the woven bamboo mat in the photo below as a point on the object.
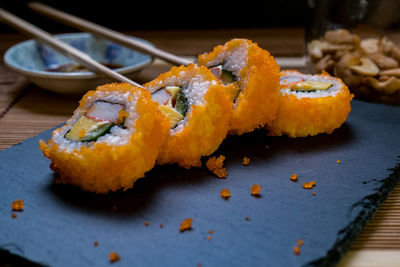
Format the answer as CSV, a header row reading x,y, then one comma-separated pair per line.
x,y
27,110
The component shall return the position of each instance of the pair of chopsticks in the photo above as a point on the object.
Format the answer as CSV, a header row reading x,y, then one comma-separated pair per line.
x,y
87,26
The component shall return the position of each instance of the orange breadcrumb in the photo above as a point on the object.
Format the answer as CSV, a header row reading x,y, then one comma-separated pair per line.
x,y
114,257
161,225
186,224
146,223
96,243
338,161
255,190
211,232
247,218
209,238
14,216
215,165
294,177
309,185
18,205
225,193
313,193
296,250
246,161
299,242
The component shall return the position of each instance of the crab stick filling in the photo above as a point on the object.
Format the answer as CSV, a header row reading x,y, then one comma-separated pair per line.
x,y
97,121
172,103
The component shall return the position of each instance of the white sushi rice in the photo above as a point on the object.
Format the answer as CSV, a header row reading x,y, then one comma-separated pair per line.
x,y
332,91
233,60
194,86
117,136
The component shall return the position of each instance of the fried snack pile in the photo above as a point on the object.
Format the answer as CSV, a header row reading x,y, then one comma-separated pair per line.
x,y
369,67
119,132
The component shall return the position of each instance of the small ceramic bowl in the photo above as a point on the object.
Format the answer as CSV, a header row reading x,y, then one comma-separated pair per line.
x,y
41,64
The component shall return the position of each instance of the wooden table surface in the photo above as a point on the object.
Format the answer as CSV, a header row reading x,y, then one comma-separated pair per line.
x,y
26,110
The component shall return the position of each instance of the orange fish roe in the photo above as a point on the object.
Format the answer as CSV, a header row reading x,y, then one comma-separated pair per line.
x,y
246,161
18,205
114,257
294,177
186,224
255,190
296,250
309,185
225,193
215,165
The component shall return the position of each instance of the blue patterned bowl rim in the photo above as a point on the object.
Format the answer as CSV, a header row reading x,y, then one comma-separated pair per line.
x,y
69,75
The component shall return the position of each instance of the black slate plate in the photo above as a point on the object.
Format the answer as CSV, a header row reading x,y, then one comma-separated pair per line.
x,y
60,223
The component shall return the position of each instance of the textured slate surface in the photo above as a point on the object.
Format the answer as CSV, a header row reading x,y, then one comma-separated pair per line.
x,y
60,223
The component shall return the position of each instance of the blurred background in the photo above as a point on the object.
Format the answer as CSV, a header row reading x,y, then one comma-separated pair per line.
x,y
140,15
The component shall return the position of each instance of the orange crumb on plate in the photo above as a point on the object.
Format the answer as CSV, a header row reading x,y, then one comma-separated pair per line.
x,y
216,165
114,257
309,185
96,243
18,205
14,216
246,161
211,232
247,218
294,177
161,225
146,223
296,250
255,190
225,193
186,224
299,242
338,161
209,238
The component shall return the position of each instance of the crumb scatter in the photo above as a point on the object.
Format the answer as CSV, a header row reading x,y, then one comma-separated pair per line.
x,y
186,224
225,193
294,177
255,190
114,257
18,205
216,165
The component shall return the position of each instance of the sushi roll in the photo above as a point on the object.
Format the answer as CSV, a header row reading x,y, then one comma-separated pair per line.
x,y
255,75
112,139
197,106
310,105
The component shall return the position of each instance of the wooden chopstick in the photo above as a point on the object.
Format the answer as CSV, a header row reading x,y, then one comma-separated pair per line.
x,y
61,47
104,32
